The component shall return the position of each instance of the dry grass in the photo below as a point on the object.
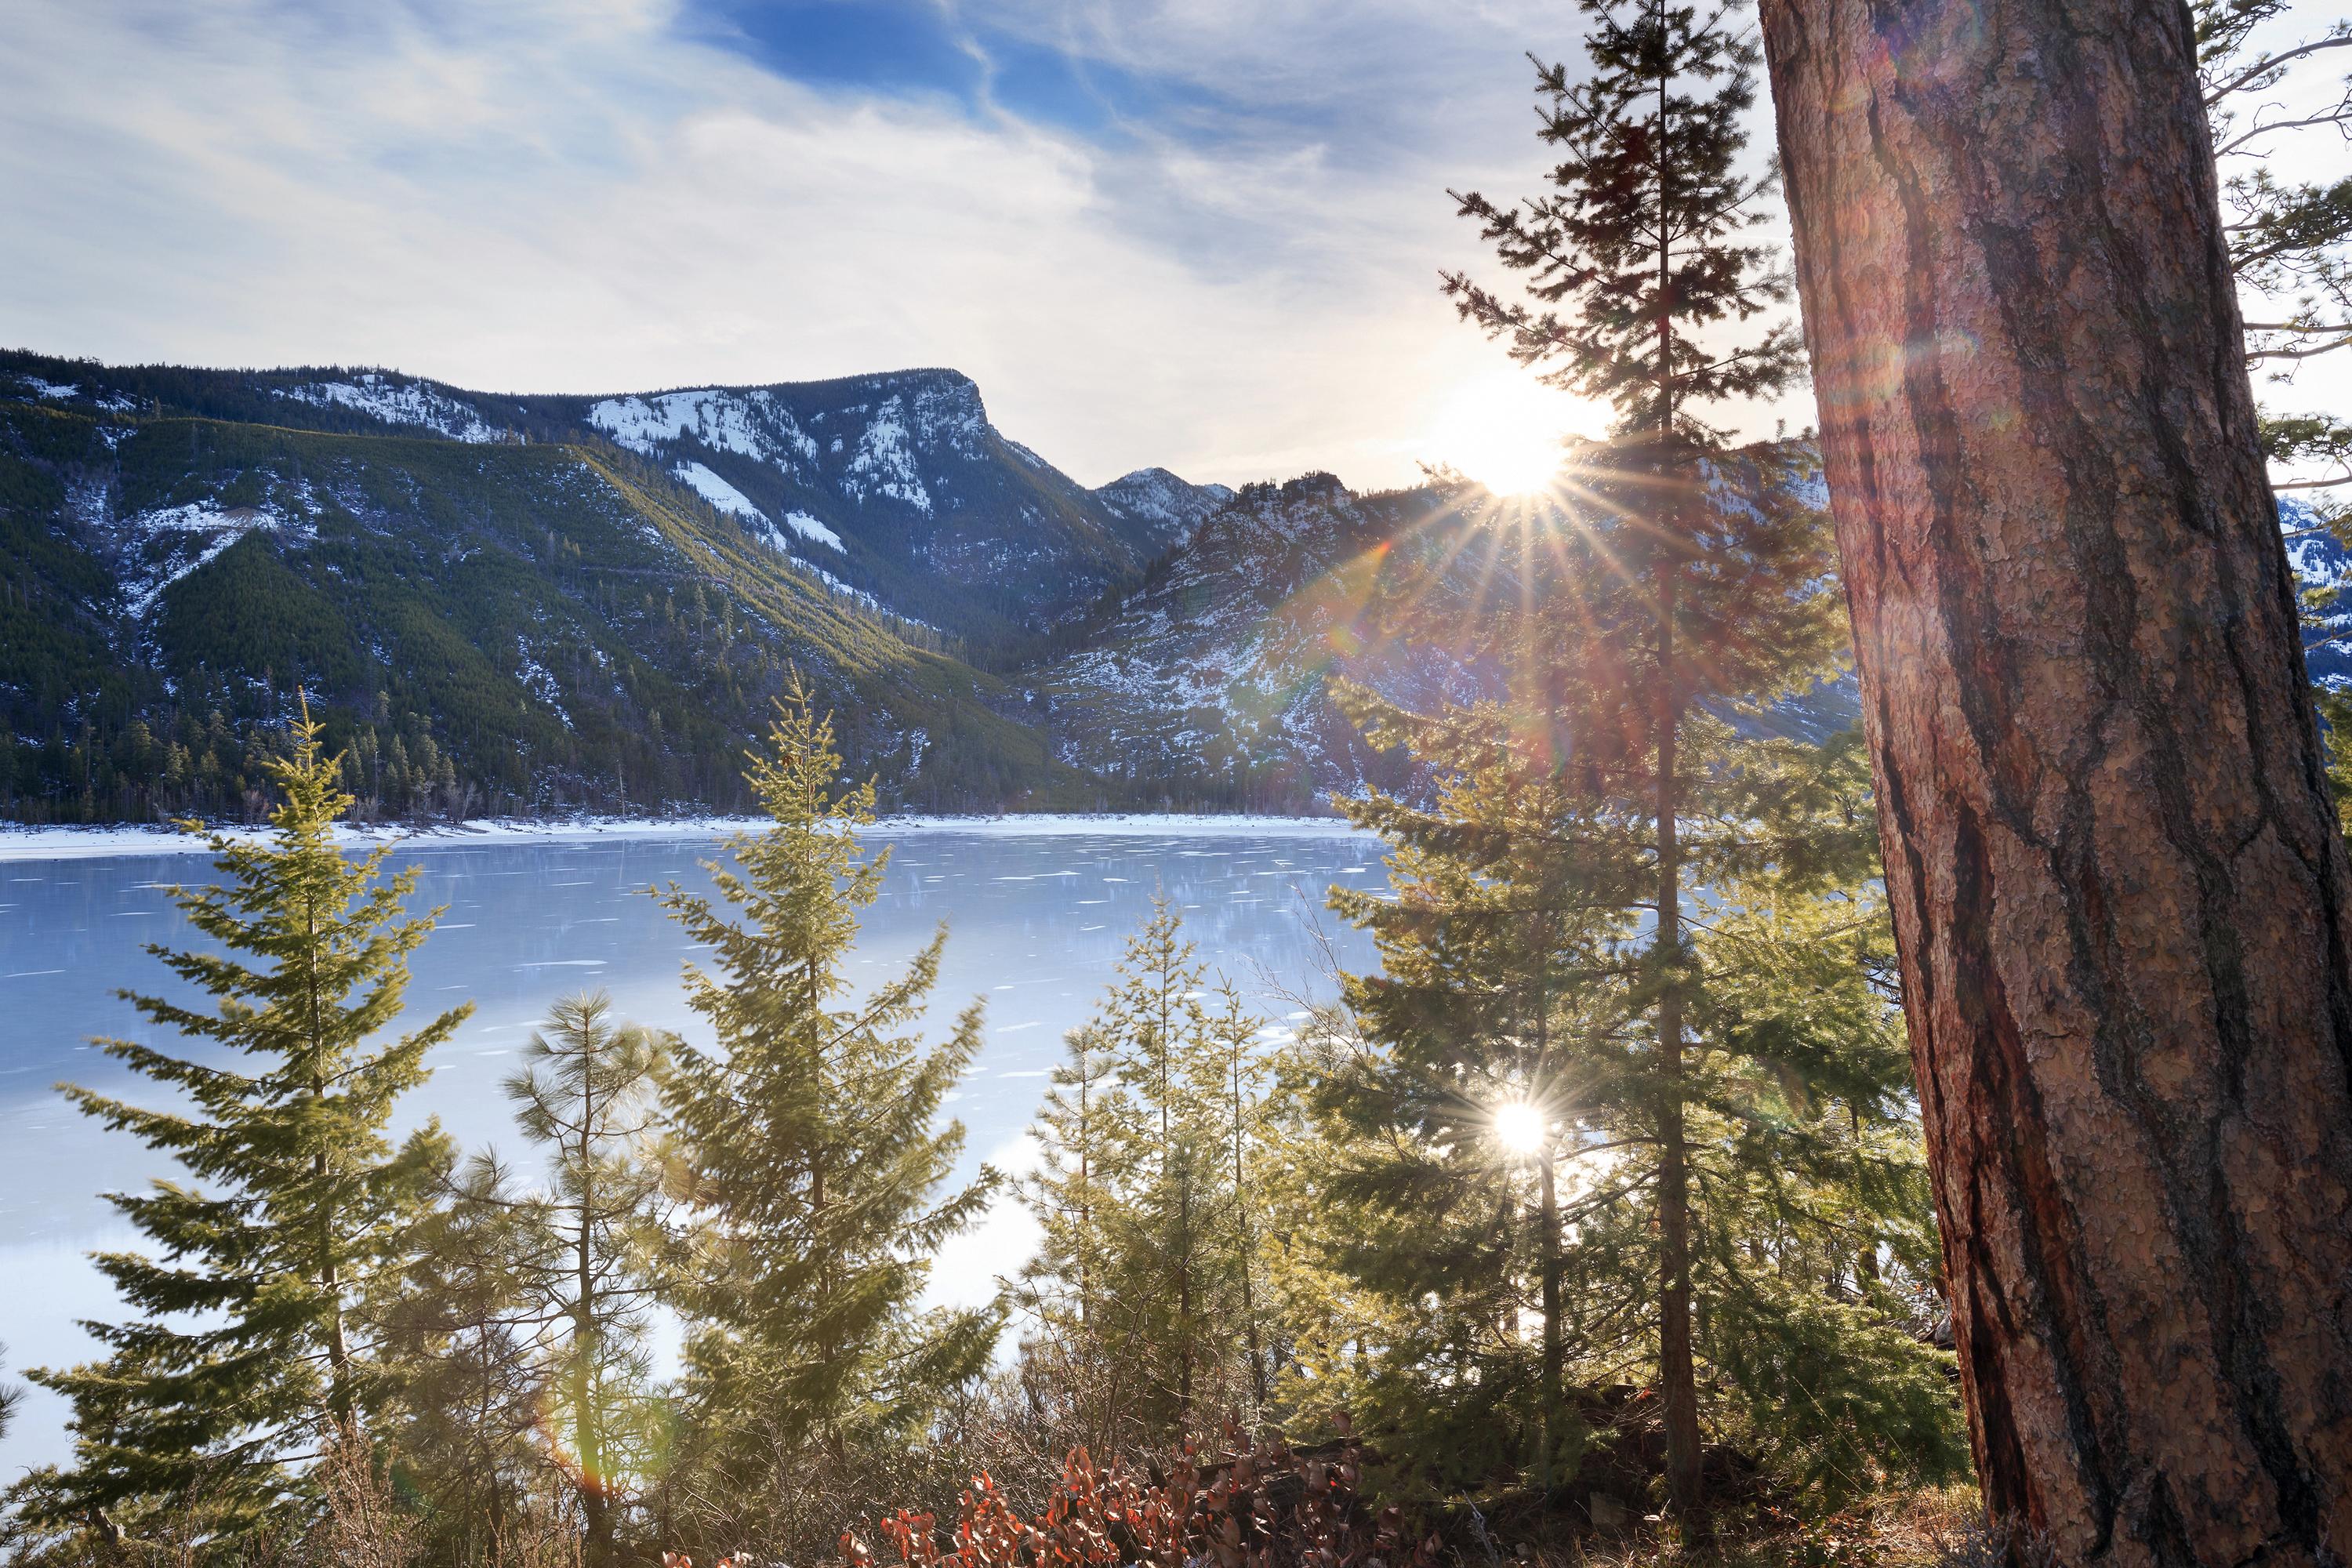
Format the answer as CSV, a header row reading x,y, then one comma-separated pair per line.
x,y
1932,1528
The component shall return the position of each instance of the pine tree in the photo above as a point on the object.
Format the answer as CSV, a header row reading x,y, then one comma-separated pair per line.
x,y
1067,1192
2074,621
521,1334
1489,1121
812,1136
298,1205
588,1094
1147,1137
463,1340
1155,1022
2290,241
1641,233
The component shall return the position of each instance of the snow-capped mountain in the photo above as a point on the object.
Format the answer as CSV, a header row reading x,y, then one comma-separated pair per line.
x,y
595,599
897,487
1166,509
1213,676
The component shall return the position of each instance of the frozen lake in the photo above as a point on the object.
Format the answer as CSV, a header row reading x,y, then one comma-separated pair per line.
x,y
1036,919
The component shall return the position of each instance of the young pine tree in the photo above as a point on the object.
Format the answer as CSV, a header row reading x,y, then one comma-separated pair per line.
x,y
246,1347
1638,267
813,1141
1061,1290
521,1333
1146,1270
588,1094
462,1338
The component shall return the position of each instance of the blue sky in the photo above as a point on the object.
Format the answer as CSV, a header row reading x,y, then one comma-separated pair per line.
x,y
1197,233
1204,234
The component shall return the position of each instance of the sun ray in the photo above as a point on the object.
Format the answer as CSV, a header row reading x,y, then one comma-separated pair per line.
x,y
1505,431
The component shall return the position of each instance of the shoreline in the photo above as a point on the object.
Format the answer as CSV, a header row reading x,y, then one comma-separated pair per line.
x,y
22,844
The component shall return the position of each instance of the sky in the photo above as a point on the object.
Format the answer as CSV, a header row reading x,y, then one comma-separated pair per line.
x,y
1200,233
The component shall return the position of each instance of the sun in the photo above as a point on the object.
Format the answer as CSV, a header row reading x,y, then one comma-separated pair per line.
x,y
1520,1127
1505,429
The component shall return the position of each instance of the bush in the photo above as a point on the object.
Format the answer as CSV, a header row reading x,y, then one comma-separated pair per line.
x,y
1258,1507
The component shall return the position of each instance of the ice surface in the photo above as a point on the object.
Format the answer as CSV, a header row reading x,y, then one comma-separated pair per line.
x,y
29,844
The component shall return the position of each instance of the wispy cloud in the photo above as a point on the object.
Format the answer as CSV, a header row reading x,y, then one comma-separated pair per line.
x,y
1218,252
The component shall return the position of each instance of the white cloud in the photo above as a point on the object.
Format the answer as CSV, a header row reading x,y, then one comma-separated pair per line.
x,y
534,198
549,196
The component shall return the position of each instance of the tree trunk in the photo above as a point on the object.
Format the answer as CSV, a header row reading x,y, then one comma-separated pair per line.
x,y
596,1496
2118,893
1555,1358
1678,1377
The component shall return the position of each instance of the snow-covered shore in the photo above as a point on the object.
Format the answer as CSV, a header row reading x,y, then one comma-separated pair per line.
x,y
23,844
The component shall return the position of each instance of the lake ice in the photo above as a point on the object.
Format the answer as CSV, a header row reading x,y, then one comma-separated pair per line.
x,y
1035,922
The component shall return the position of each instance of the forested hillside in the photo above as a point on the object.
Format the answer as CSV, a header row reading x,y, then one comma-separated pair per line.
x,y
503,605
489,628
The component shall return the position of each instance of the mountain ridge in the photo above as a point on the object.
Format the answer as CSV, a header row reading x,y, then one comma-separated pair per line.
x,y
513,606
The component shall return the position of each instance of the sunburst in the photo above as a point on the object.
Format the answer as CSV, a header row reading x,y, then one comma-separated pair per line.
x,y
1504,430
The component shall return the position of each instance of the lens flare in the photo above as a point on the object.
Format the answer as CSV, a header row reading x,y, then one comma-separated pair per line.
x,y
1505,431
1521,1127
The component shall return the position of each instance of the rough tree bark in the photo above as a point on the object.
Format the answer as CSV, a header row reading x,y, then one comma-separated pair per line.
x,y
2119,895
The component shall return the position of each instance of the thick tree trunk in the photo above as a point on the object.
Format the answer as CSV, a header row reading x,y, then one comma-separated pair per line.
x,y
2119,895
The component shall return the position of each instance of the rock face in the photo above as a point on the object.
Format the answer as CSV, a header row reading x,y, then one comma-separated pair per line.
x,y
900,486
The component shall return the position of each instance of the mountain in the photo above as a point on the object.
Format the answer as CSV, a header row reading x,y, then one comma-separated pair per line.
x,y
1210,681
1161,508
494,607
502,604
897,488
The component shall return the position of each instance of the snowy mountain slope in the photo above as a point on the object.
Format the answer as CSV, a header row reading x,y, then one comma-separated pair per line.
x,y
1217,672
1166,509
1213,675
561,623
904,489
897,486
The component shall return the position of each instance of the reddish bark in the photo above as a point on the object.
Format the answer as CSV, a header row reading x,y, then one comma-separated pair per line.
x,y
2119,895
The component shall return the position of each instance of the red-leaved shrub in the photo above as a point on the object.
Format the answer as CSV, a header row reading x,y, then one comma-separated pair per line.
x,y
1257,1508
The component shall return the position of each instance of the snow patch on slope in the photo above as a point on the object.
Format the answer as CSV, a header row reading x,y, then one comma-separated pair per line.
x,y
539,681
810,529
163,546
748,424
399,403
719,492
885,463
